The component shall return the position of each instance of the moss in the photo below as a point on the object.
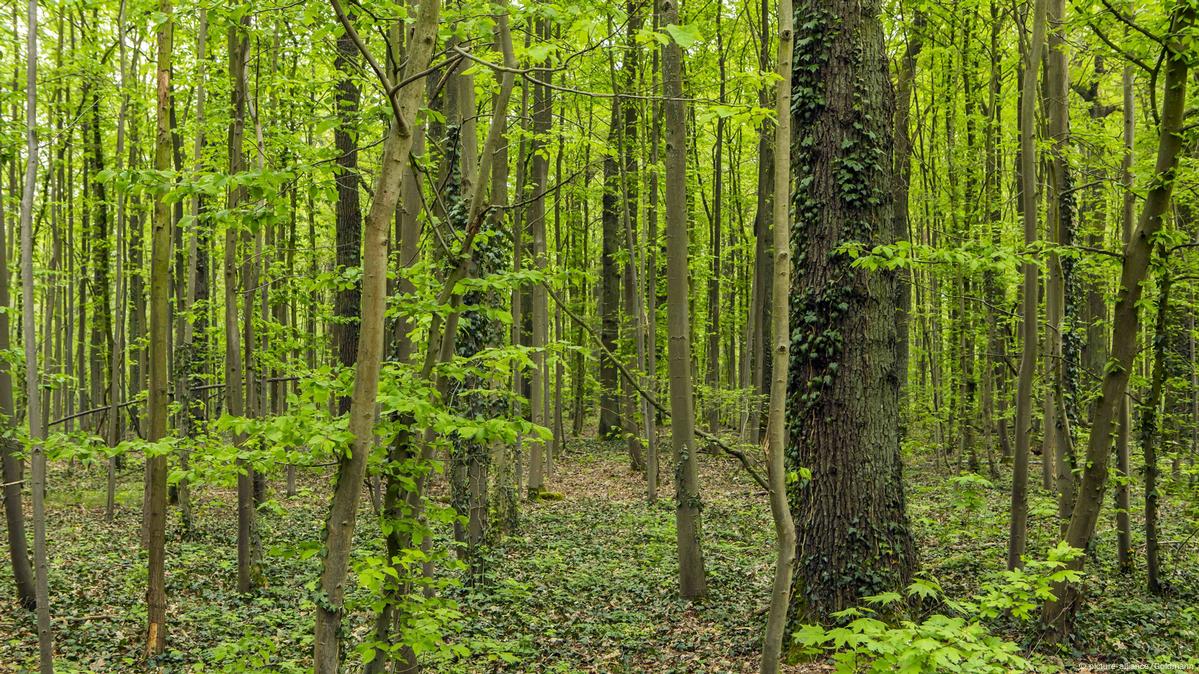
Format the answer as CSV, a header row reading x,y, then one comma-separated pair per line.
x,y
545,495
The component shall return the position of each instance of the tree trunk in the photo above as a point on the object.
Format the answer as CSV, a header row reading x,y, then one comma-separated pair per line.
x,y
37,428
852,528
348,253
1124,418
235,282
160,260
692,581
1060,226
535,217
1018,533
609,305
14,465
780,507
351,468
1057,615
1151,428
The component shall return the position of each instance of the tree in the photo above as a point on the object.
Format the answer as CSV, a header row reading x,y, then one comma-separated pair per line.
x,y
37,427
237,283
14,465
780,508
843,408
692,580
1057,614
1028,324
351,467
160,259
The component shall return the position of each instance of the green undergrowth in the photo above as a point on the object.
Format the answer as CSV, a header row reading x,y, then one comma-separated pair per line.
x,y
587,584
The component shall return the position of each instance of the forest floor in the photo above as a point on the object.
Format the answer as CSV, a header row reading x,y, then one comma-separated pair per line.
x,y
588,584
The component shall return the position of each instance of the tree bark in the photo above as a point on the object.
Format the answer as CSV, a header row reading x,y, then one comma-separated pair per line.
x,y
852,530
688,521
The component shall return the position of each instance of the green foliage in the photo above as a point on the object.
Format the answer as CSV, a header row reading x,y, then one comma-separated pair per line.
x,y
958,642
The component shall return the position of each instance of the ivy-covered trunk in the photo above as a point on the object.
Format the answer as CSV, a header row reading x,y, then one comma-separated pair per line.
x,y
843,394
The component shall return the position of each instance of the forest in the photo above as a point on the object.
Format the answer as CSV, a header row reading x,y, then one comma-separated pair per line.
x,y
666,336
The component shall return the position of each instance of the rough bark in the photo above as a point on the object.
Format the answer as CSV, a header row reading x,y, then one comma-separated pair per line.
x,y
843,401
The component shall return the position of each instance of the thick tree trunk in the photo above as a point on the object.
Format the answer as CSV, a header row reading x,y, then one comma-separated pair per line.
x,y
852,528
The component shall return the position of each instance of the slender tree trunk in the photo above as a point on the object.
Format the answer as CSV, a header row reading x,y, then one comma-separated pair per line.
x,y
776,441
609,305
37,428
1151,428
238,40
1060,227
760,297
535,217
692,581
713,350
348,254
651,280
1124,416
1018,534
343,510
903,179
1057,615
160,260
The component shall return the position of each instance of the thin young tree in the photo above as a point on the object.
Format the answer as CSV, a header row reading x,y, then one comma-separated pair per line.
x,y
688,519
1057,614
37,427
351,468
1018,534
776,422
160,261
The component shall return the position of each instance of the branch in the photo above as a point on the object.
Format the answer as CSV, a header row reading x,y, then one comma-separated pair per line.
x,y
649,397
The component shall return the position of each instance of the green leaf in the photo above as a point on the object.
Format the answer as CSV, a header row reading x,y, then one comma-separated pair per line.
x,y
684,36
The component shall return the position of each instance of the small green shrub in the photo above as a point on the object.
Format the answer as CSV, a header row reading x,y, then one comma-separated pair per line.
x,y
961,642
